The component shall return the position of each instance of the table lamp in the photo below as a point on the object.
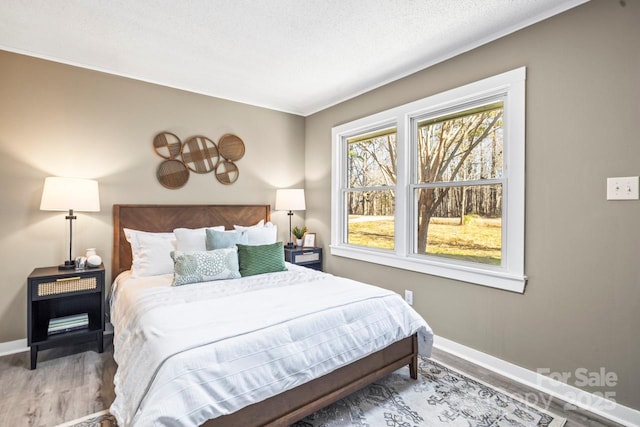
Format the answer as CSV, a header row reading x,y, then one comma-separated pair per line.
x,y
69,194
290,200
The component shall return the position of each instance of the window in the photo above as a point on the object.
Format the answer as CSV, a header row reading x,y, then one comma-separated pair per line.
x,y
437,185
457,190
370,192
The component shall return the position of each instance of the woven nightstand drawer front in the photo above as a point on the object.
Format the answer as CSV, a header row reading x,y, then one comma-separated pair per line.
x,y
66,285
307,257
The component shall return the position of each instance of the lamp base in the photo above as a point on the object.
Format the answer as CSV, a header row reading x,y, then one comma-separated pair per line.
x,y
68,265
290,245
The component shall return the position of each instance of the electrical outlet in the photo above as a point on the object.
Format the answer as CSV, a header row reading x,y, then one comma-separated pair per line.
x,y
408,296
622,188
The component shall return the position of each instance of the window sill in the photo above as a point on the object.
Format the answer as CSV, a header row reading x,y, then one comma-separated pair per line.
x,y
485,277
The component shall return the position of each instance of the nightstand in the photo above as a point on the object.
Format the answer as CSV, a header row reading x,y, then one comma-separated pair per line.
x,y
68,297
305,257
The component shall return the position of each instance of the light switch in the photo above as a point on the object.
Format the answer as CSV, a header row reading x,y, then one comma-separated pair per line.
x,y
408,296
623,188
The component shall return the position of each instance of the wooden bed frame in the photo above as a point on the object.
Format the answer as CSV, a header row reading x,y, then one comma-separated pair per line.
x,y
288,407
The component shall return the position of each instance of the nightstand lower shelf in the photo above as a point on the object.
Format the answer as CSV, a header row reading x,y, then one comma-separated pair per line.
x,y
64,308
67,338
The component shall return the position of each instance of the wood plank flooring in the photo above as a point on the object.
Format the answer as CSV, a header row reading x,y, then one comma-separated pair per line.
x,y
69,383
72,382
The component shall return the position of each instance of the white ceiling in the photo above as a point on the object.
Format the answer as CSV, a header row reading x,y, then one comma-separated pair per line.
x,y
298,56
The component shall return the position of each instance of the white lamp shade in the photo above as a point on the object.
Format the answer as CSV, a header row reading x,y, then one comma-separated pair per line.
x,y
290,200
62,194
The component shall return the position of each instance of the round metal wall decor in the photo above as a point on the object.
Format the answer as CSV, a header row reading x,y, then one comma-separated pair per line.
x,y
167,145
172,174
200,154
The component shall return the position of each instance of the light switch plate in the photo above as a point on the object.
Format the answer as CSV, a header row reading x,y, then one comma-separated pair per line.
x,y
408,296
623,188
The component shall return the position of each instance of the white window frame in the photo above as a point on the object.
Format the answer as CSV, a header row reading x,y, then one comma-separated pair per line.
x,y
510,86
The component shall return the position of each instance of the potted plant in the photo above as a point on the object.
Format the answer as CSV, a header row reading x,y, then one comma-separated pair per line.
x,y
298,233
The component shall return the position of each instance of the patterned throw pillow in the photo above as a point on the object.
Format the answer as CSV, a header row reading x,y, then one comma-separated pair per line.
x,y
261,259
193,267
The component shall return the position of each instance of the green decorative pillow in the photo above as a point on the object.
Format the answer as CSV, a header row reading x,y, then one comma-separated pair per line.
x,y
261,259
225,239
193,267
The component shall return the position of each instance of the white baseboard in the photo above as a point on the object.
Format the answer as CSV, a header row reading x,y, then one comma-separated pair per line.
x,y
12,347
570,394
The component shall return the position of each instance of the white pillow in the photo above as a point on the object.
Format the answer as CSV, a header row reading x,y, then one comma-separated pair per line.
x,y
260,234
193,239
151,252
244,227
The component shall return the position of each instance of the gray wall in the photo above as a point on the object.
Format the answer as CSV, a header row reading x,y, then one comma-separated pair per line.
x,y
61,120
581,308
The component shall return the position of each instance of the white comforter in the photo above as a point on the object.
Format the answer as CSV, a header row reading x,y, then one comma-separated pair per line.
x,y
195,352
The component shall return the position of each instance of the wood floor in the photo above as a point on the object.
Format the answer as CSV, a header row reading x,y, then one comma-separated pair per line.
x,y
72,382
69,383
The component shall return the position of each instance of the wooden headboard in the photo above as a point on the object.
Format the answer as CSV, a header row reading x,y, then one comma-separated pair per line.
x,y
165,218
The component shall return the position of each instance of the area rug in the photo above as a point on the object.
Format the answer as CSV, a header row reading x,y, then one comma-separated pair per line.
x,y
441,396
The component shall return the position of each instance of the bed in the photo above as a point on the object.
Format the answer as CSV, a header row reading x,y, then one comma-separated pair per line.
x,y
283,407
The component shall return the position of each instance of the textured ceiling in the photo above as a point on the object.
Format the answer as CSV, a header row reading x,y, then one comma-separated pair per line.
x,y
298,56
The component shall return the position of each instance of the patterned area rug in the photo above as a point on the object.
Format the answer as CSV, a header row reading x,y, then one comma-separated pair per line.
x,y
440,397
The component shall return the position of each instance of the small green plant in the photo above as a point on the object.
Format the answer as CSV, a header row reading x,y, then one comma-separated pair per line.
x,y
298,232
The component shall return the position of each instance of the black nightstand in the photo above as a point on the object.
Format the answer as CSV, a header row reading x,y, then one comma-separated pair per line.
x,y
306,257
56,294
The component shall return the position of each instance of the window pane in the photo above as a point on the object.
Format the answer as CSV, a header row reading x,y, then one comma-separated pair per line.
x,y
463,223
371,218
372,159
465,146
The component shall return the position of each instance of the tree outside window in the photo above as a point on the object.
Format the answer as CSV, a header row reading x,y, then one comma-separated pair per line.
x,y
371,189
458,193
